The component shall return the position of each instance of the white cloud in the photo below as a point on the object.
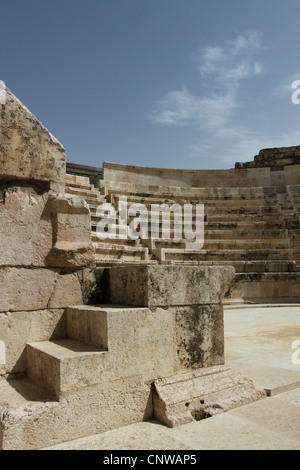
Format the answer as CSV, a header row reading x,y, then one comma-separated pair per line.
x,y
239,144
178,108
181,108
228,64
222,69
232,61
250,41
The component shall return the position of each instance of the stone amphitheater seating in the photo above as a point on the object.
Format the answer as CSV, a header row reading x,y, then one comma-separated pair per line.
x,y
256,230
85,349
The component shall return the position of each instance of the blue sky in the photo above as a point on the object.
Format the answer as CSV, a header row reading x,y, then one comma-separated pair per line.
x,y
165,83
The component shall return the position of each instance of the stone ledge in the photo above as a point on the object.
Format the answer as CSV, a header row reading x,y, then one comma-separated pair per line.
x,y
27,149
182,398
152,286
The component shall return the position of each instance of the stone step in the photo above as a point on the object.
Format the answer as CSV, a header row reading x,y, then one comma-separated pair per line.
x,y
118,188
76,180
84,191
79,186
287,208
214,209
108,262
295,254
261,214
294,188
90,199
87,186
294,245
166,254
246,234
115,251
220,202
115,241
266,287
64,366
250,244
88,324
244,266
255,217
249,227
226,244
294,236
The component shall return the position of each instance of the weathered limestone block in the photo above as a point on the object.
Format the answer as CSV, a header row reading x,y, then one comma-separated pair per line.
x,y
27,149
71,232
292,174
199,336
64,366
182,398
137,340
37,289
266,287
108,343
192,298
19,328
29,420
26,229
169,285
44,230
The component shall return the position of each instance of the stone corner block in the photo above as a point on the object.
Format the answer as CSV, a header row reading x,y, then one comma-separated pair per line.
x,y
154,286
71,232
200,394
28,151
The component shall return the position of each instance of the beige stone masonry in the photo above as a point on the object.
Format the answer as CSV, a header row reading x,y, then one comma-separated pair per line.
x,y
184,178
19,328
37,289
71,222
201,394
28,151
169,285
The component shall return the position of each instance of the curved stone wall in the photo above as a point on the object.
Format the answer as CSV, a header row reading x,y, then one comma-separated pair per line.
x,y
230,178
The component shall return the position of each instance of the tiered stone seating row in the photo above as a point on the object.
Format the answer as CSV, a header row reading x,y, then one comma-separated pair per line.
x,y
107,251
254,229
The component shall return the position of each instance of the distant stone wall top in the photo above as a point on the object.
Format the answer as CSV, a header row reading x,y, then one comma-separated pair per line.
x,y
274,158
230,178
28,151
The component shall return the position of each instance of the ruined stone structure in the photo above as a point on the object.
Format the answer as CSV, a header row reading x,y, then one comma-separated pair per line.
x,y
96,334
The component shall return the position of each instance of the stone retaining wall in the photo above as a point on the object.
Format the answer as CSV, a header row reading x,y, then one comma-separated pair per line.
x,y
45,236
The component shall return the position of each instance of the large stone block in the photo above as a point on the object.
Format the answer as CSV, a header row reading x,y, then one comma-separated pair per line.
x,y
138,340
199,336
19,328
27,149
108,343
30,419
169,285
71,222
26,229
37,289
46,229
266,287
197,395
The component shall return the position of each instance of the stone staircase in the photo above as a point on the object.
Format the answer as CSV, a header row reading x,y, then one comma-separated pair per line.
x,y
242,227
101,374
294,230
108,251
69,364
256,230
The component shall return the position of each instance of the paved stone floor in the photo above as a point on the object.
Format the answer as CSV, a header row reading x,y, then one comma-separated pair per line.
x,y
259,343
